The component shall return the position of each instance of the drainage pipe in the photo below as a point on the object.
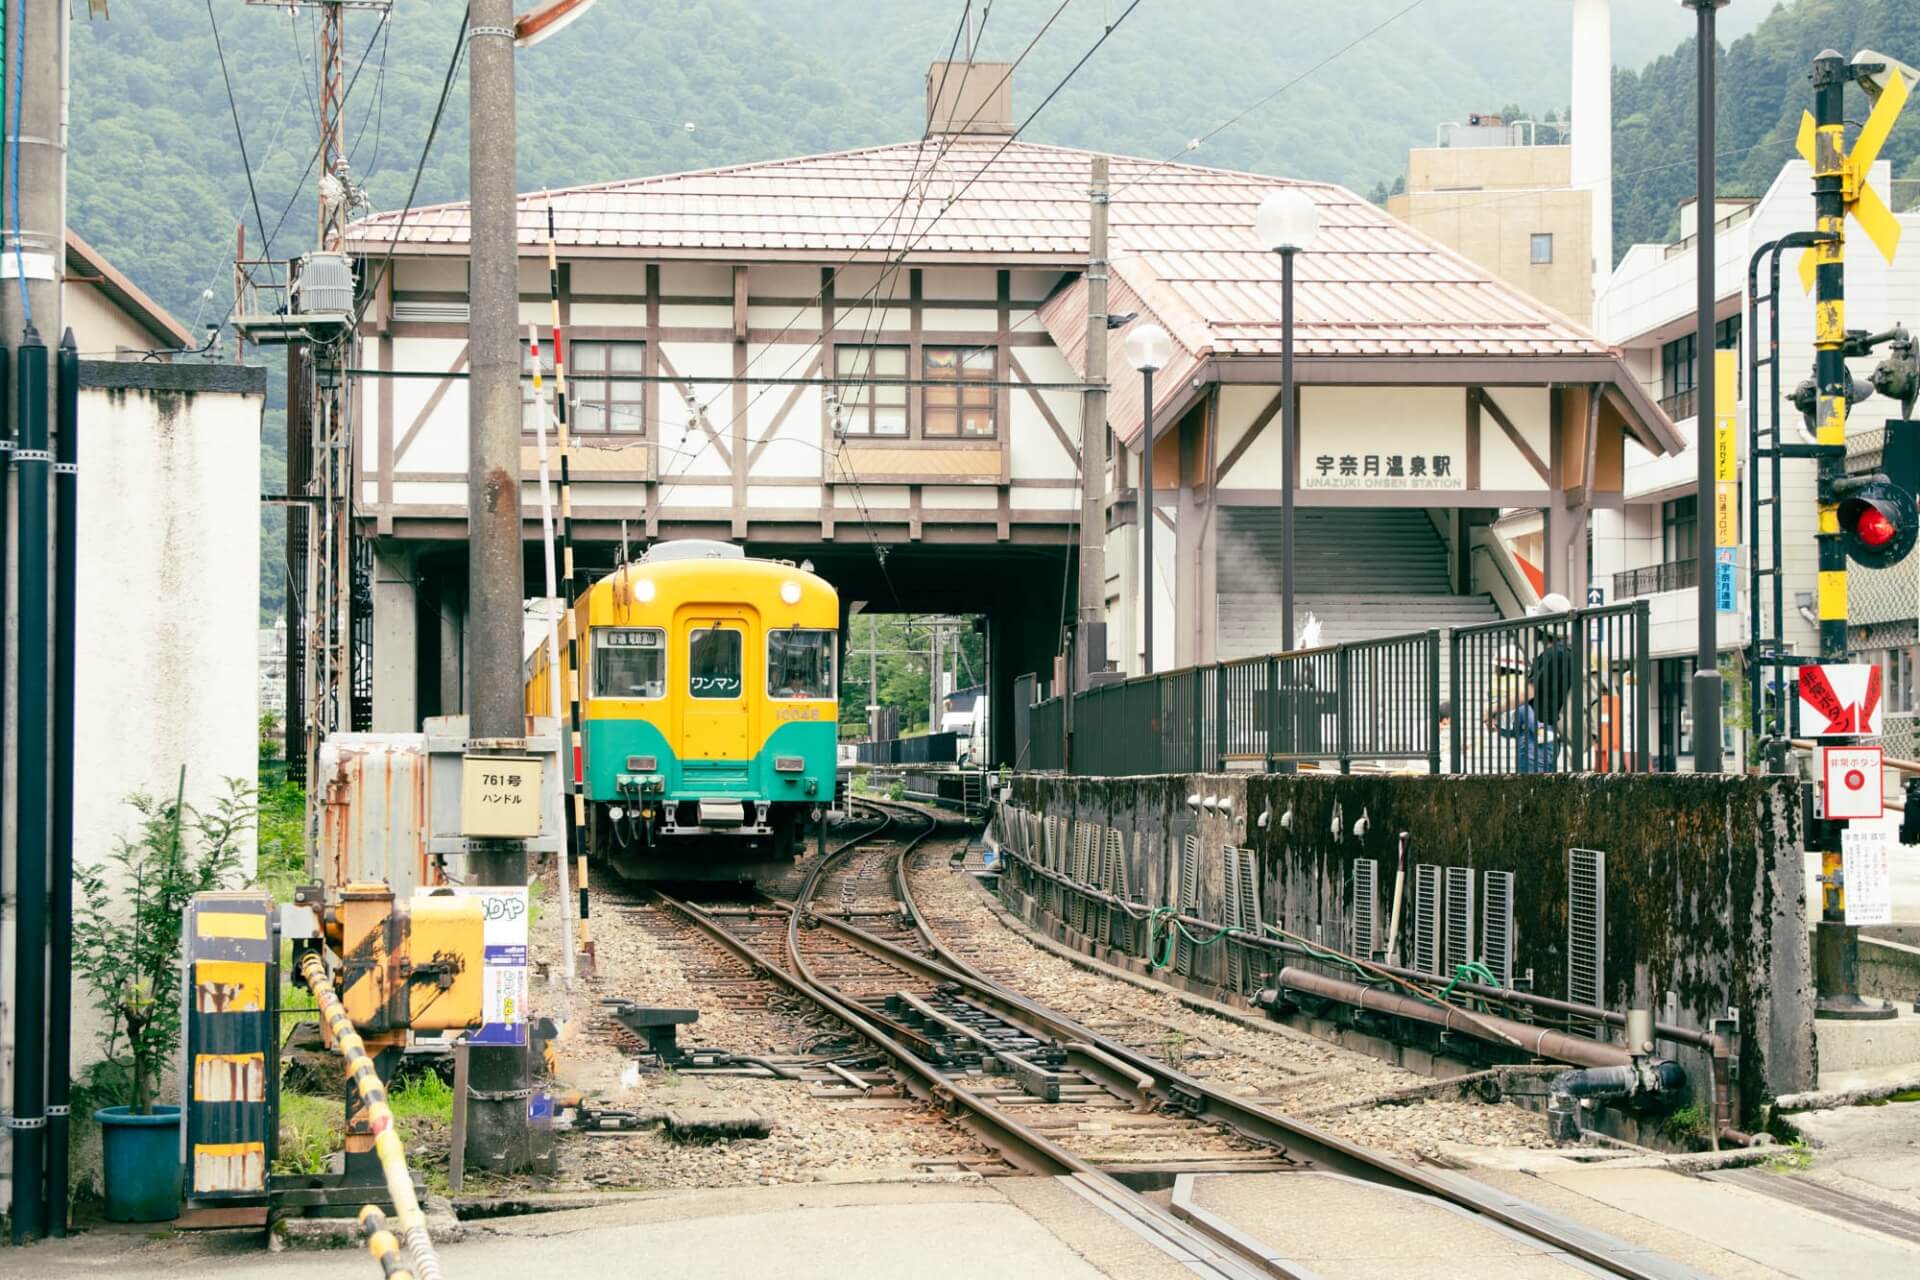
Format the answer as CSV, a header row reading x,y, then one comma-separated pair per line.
x,y
1539,1041
29,1120
1566,1091
1714,1045
66,486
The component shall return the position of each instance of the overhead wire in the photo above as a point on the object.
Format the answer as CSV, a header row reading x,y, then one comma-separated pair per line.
x,y
239,134
890,270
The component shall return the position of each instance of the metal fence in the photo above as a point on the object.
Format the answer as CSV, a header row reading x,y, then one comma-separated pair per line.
x,y
926,748
1561,693
1558,693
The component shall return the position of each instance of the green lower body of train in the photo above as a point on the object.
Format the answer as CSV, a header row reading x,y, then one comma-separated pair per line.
x,y
655,816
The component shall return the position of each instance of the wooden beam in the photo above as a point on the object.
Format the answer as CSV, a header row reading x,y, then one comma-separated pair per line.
x,y
740,302
693,407
1513,433
426,410
1241,445
1039,401
786,407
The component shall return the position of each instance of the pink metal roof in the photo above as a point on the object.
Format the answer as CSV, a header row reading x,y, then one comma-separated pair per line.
x,y
1182,246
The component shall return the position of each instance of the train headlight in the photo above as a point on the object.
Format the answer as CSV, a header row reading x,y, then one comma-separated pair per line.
x,y
790,592
644,590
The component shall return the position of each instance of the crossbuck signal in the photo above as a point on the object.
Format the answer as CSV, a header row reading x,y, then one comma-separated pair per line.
x,y
1824,147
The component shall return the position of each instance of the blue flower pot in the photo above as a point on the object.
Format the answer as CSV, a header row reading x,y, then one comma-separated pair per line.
x,y
141,1156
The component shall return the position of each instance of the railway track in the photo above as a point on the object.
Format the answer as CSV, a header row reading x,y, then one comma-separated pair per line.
x,y
1053,1096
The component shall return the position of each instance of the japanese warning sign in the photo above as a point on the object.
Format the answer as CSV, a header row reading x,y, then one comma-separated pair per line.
x,y
1840,699
1866,875
505,917
1851,784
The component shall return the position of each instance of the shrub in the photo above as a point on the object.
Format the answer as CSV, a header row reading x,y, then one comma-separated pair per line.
x,y
131,958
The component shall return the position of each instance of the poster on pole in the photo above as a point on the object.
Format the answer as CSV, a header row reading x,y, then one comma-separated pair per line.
x,y
1851,783
503,975
1867,874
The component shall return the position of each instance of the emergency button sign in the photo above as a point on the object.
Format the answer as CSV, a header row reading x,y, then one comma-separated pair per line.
x,y
1851,782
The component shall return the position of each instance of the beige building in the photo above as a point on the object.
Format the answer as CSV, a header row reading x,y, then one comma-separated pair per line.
x,y
1512,209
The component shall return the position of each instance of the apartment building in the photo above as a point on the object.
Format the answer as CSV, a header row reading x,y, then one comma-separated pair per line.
x,y
1646,547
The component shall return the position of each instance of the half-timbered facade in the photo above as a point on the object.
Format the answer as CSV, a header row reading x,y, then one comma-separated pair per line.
x,y
872,359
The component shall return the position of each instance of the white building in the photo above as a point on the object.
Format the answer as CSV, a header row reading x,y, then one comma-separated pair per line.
x,y
168,582
1646,548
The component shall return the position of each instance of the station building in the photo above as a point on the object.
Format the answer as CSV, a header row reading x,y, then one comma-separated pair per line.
x,y
872,359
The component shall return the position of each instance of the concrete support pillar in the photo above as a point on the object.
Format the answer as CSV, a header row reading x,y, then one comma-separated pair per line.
x,y
396,645
1196,538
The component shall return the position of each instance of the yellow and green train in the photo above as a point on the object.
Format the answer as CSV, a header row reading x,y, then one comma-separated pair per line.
x,y
709,712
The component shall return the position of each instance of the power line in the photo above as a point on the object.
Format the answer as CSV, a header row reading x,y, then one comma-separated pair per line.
x,y
433,129
238,133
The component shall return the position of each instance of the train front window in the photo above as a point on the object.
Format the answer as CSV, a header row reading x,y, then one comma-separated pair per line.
x,y
713,663
800,664
629,662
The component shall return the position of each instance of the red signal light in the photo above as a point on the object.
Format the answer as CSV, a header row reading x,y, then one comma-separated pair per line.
x,y
1875,529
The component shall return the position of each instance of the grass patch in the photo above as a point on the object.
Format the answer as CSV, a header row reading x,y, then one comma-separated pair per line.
x,y
283,852
1794,1156
311,1129
421,1104
1688,1124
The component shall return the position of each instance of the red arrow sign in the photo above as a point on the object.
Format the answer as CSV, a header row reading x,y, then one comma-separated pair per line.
x,y
1817,692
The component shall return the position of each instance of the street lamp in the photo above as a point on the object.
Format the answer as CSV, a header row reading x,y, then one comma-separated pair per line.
x,y
1148,349
1286,222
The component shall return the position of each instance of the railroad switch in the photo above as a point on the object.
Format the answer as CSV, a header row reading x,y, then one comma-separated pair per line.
x,y
659,1027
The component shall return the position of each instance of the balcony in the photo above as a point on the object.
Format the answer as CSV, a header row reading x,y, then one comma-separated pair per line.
x,y
1680,405
1674,575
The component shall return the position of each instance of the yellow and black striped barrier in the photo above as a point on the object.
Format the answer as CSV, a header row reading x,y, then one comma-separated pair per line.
x,y
365,1080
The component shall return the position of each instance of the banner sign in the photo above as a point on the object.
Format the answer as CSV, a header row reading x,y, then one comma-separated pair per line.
x,y
503,973
1841,699
1726,479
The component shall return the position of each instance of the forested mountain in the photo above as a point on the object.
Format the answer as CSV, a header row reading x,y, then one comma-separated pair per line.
x,y
649,86
157,181
1763,88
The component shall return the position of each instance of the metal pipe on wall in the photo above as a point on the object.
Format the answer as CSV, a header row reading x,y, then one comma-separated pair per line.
x,y
30,808
1537,1040
66,536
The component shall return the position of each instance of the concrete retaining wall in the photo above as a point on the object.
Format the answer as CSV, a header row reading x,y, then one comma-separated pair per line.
x,y
1704,910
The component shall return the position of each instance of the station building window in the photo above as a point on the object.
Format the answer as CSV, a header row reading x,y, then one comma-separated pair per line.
x,y
964,408
597,403
1540,248
873,390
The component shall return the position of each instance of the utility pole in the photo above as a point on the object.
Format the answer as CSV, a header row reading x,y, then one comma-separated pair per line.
x,y
32,260
497,1131
1090,653
873,679
1706,669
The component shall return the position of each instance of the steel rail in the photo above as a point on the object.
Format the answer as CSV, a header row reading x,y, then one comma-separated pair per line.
x,y
1299,1139
1023,1147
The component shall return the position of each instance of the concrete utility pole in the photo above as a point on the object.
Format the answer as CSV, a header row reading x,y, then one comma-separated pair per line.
x,y
497,1129
1091,650
1706,671
34,255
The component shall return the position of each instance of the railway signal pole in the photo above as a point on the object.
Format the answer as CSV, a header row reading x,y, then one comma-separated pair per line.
x,y
1839,188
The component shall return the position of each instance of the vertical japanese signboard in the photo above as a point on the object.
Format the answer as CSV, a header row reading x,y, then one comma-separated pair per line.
x,y
505,914
1726,480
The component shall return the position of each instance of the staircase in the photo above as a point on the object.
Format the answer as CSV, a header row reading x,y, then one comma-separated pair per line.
x,y
1363,572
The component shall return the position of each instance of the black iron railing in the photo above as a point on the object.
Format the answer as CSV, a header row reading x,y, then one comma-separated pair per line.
x,y
1563,692
1680,405
925,748
1674,575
